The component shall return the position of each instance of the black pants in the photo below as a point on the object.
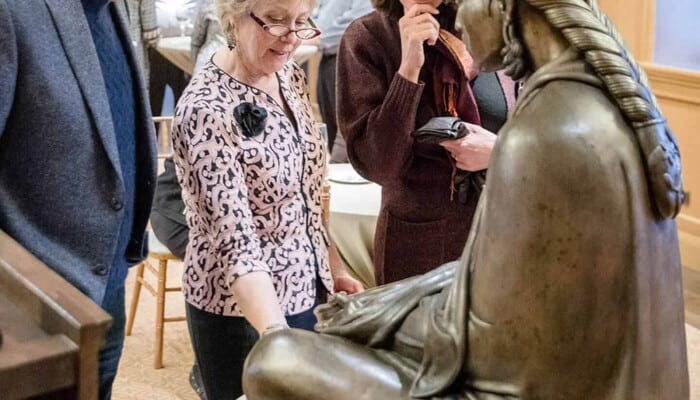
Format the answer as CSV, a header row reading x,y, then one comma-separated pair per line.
x,y
325,92
222,343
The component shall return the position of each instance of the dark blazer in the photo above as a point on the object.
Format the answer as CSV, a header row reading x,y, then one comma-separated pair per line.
x,y
61,189
168,197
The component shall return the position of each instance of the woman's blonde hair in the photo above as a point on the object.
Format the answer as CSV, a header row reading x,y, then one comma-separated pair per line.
x,y
228,10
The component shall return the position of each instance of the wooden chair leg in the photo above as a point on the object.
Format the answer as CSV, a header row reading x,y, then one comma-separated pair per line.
x,y
134,299
160,312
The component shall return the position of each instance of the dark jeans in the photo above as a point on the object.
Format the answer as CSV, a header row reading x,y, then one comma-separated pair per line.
x,y
325,92
221,345
111,350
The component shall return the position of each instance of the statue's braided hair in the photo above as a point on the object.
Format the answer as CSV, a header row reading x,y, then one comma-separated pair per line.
x,y
590,32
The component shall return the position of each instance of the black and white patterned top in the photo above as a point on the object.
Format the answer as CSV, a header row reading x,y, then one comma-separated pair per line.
x,y
252,203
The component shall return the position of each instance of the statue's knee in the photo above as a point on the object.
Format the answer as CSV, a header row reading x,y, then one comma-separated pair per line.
x,y
270,362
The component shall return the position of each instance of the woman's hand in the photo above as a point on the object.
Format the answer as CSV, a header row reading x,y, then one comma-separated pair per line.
x,y
342,281
346,283
151,37
417,26
472,152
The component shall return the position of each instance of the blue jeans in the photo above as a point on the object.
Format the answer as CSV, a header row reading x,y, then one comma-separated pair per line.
x,y
111,350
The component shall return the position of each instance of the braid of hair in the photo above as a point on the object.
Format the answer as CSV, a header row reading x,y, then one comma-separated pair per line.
x,y
592,33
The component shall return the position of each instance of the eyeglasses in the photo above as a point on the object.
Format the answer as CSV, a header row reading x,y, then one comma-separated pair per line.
x,y
278,30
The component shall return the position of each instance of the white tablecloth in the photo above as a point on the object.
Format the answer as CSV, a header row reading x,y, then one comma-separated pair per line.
x,y
177,51
354,208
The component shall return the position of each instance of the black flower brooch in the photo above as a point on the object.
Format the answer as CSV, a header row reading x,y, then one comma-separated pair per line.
x,y
251,118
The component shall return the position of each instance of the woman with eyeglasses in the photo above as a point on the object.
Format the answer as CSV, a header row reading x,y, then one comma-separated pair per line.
x,y
251,162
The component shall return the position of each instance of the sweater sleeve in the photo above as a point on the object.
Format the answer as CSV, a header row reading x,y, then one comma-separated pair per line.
x,y
148,15
376,108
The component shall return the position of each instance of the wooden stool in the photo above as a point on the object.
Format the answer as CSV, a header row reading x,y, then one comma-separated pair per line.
x,y
163,126
161,253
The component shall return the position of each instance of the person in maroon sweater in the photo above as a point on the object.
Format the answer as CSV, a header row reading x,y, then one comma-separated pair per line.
x,y
398,67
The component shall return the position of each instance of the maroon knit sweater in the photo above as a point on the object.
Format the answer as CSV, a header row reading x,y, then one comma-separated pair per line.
x,y
419,226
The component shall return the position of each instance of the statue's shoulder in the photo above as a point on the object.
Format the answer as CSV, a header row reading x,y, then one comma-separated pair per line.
x,y
565,113
566,125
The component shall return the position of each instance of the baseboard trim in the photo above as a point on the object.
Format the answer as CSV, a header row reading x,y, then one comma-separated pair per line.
x,y
691,292
689,238
688,224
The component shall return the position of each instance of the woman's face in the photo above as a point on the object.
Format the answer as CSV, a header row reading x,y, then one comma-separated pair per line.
x,y
262,52
409,3
481,24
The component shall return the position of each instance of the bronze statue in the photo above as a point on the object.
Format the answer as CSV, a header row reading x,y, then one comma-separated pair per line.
x,y
569,286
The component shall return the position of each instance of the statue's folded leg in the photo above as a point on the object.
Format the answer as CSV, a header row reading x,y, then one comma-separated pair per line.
x,y
295,364
372,347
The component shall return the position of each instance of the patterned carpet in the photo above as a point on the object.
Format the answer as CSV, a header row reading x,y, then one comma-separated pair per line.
x,y
138,380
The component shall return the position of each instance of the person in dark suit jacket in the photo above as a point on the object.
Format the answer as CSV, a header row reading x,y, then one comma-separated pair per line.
x,y
77,149
168,213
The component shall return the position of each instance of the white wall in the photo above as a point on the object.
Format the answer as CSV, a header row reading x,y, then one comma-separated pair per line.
x,y
677,37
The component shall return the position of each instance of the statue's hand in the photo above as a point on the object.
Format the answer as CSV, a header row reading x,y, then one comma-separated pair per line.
x,y
325,313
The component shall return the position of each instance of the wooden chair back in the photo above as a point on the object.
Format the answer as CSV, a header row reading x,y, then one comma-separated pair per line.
x,y
163,126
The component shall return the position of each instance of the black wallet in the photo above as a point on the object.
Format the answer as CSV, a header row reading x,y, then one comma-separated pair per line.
x,y
439,129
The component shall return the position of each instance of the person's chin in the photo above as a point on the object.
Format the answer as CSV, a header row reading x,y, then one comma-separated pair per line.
x,y
278,61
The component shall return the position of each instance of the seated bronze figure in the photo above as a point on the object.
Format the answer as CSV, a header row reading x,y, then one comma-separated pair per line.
x,y
569,286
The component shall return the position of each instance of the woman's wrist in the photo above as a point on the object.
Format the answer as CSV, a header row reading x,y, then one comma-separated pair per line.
x,y
335,263
274,327
338,269
409,74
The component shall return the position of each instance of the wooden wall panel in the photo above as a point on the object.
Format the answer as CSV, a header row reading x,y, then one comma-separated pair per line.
x,y
635,20
679,98
678,92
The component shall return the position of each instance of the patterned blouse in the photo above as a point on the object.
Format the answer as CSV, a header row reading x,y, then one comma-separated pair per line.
x,y
252,203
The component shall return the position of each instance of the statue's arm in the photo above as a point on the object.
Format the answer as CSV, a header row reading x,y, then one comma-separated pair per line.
x,y
371,317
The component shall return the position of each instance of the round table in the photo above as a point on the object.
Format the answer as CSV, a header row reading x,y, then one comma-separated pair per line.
x,y
353,217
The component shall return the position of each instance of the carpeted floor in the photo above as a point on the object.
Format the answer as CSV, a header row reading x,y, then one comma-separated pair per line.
x,y
138,380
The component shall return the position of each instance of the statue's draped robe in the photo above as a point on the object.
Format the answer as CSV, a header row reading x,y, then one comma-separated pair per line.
x,y
569,288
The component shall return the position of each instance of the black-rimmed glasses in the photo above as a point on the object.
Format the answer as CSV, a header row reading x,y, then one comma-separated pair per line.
x,y
306,33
